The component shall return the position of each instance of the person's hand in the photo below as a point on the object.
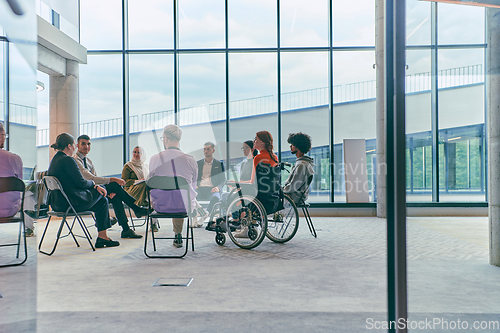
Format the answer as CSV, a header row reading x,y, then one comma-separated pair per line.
x,y
101,190
119,181
215,189
111,195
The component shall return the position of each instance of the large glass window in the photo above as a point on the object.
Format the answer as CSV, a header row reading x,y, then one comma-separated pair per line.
x,y
353,23
252,23
151,24
354,113
304,100
202,92
461,125
101,111
151,98
252,83
252,99
101,24
304,23
418,22
418,126
201,24
459,24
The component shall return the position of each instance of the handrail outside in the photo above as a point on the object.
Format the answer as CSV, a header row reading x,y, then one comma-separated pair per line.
x,y
358,91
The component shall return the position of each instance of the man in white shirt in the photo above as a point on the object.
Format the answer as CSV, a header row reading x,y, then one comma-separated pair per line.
x,y
116,194
11,165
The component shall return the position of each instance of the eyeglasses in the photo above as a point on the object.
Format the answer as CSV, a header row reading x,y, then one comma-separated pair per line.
x,y
163,137
6,135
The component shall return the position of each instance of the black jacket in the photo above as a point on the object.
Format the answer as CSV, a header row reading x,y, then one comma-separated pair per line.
x,y
78,190
217,175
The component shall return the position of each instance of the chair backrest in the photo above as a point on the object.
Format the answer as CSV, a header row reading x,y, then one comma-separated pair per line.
x,y
8,184
167,183
268,179
53,184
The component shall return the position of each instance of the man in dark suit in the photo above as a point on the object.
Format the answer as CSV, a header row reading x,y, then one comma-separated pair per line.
x,y
211,176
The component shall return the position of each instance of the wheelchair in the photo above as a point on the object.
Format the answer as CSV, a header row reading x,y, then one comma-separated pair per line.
x,y
253,212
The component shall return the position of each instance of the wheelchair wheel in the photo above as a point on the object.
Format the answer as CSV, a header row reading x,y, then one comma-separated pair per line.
x,y
220,239
283,224
246,222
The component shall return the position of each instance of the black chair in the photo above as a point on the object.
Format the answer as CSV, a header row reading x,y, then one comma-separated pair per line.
x,y
13,184
168,184
304,205
145,218
52,184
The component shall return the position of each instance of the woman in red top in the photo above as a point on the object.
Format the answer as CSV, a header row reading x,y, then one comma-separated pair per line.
x,y
263,142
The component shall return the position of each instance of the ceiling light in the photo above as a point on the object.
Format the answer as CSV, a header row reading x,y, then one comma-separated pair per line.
x,y
39,86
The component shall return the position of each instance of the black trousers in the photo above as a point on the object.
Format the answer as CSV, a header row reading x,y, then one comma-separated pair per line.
x,y
121,197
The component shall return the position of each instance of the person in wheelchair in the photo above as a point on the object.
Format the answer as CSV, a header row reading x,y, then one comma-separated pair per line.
x,y
263,183
295,185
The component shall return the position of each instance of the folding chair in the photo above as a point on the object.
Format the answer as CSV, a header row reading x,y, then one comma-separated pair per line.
x,y
304,205
132,219
168,184
52,184
13,184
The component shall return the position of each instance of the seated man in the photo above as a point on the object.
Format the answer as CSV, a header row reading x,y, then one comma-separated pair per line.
x,y
116,193
11,165
211,176
300,144
173,162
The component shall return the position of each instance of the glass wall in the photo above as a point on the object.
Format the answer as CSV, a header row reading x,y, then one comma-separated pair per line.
x,y
317,76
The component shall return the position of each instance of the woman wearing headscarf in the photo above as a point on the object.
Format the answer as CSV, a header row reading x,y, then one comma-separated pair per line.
x,y
134,173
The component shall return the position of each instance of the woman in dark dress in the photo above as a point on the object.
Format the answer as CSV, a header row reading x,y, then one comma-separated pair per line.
x,y
83,194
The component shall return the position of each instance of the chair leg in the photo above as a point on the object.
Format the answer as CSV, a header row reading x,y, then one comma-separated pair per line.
x,y
57,237
85,231
309,222
19,238
131,219
192,236
71,231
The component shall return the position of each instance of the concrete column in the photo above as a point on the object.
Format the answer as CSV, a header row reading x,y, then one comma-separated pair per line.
x,y
493,96
380,104
63,103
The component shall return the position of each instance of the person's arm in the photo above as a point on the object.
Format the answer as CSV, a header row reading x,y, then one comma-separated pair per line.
x,y
128,176
90,176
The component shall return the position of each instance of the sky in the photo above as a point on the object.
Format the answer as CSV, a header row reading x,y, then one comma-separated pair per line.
x,y
251,24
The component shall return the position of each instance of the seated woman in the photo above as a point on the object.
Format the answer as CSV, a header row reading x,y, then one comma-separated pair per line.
x,y
264,143
246,166
136,170
83,194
